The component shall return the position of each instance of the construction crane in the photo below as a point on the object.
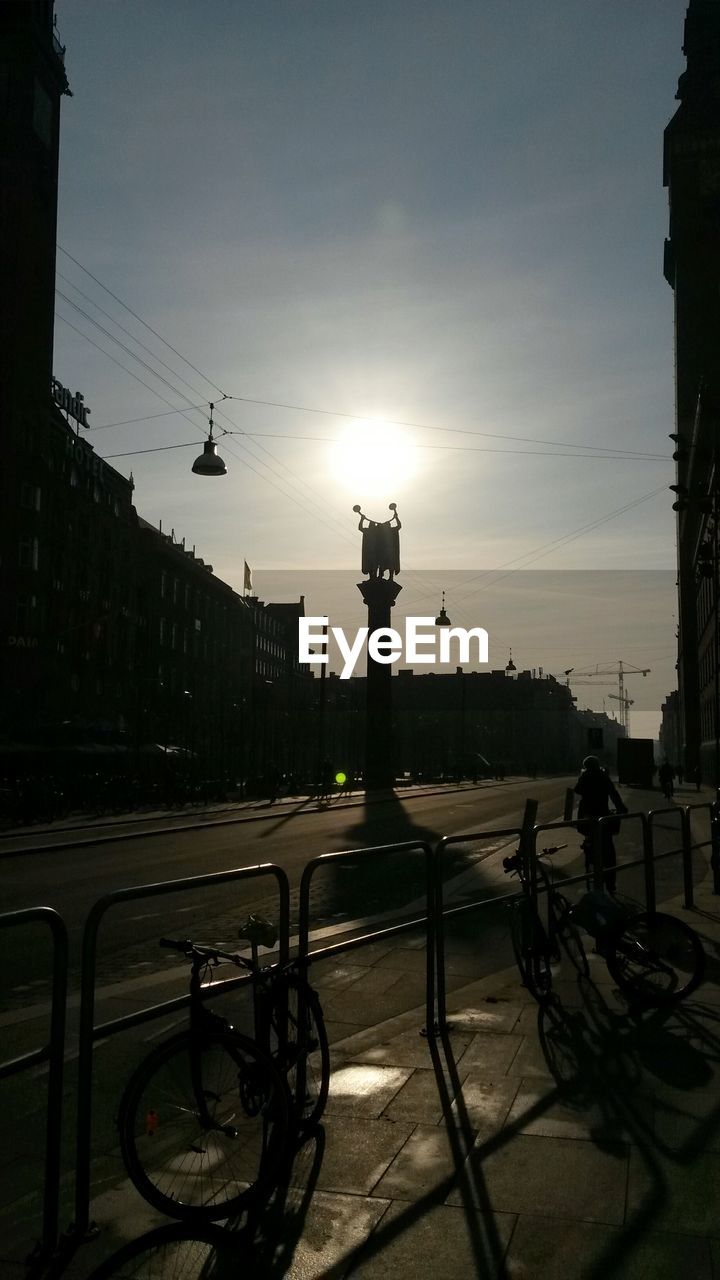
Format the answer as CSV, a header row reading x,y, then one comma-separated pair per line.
x,y
620,670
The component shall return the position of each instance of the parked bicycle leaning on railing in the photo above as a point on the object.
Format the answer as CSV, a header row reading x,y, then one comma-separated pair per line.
x,y
207,1117
653,958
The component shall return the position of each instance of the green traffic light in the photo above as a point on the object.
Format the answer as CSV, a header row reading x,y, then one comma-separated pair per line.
x,y
341,779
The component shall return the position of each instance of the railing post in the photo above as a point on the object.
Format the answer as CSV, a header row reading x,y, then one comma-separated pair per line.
x,y
715,843
437,1025
649,860
431,934
686,832
55,1055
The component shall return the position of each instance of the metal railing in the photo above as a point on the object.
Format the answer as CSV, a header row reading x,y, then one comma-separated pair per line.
x,y
89,1032
527,838
54,1054
437,1023
428,919
433,920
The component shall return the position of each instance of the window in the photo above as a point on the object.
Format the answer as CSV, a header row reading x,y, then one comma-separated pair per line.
x,y
162,630
30,496
28,553
25,613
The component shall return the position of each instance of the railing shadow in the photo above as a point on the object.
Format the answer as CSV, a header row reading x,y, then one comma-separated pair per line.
x,y
259,1243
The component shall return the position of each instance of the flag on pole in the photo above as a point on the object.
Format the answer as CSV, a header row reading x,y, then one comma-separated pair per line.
x,y
247,578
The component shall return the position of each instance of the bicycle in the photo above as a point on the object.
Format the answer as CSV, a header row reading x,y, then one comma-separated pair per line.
x,y
655,959
206,1119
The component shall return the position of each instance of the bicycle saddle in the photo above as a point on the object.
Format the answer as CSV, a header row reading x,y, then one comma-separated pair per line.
x,y
259,930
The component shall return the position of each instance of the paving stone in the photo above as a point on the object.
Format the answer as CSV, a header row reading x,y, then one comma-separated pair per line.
x,y
361,1004
484,1106
557,1177
334,1228
543,1250
687,1120
684,1193
364,1088
538,1110
442,1242
327,979
431,1157
372,981
409,1049
358,1152
502,1016
418,1100
337,1030
530,1060
406,960
490,1053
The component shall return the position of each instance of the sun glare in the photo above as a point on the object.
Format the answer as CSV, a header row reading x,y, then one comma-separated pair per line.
x,y
373,460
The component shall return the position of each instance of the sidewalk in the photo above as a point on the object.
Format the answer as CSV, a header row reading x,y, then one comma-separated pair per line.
x,y
553,1146
232,811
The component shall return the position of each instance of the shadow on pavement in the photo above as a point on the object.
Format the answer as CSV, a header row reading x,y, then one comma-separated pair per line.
x,y
260,1244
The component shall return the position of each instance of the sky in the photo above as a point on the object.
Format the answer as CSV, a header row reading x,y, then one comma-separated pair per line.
x,y
410,240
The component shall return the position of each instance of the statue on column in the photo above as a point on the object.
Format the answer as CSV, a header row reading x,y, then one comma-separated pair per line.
x,y
380,544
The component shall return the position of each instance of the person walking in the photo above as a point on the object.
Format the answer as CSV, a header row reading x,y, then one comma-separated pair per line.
x,y
597,791
666,774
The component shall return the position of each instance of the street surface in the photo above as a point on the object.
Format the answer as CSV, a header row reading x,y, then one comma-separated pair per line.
x,y
71,879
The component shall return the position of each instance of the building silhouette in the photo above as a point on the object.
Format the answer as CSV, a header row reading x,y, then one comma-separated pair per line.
x,y
129,669
692,268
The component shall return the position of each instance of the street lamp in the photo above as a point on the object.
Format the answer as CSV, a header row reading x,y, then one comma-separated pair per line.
x,y
442,619
209,462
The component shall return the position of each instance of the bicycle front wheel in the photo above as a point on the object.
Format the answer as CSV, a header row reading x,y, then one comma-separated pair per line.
x,y
305,1051
564,930
203,1124
532,952
655,959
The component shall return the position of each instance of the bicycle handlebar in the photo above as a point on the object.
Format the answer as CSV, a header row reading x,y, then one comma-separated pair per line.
x,y
211,954
512,864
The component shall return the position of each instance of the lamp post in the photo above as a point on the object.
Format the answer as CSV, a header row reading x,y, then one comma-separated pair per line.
x,y
380,555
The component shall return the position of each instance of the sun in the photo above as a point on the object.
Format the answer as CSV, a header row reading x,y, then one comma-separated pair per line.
x,y
373,459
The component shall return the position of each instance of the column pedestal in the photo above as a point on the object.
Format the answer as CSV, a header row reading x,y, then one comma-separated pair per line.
x,y
379,595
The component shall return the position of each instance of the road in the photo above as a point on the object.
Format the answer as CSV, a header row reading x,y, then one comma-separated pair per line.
x,y
72,878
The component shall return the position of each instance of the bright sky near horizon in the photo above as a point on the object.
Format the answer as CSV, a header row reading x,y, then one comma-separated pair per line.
x,y
445,215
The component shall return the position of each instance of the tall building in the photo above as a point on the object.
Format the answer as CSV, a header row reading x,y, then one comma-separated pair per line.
x,y
692,268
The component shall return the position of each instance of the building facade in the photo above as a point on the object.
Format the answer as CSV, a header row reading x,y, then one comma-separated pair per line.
x,y
692,268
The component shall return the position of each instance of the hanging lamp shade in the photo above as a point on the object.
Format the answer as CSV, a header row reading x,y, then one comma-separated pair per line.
x,y
442,619
209,463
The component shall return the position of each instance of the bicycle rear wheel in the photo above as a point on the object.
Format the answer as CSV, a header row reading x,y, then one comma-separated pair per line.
x,y
203,1124
306,1054
532,952
654,958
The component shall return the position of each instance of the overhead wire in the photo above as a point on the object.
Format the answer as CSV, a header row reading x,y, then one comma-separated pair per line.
x,y
290,482
340,531
588,450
